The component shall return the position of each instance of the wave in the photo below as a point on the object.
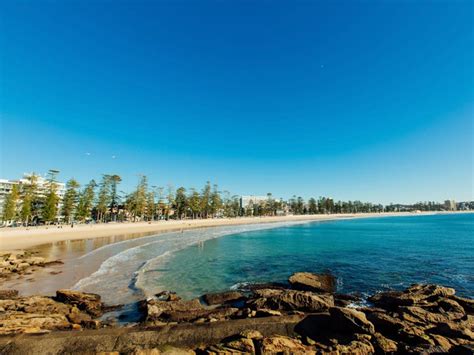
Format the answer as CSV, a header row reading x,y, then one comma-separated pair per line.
x,y
122,277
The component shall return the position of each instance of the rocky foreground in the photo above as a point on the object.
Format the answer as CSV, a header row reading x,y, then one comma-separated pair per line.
x,y
22,263
304,316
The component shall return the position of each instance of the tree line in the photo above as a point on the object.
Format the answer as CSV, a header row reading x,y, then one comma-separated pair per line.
x,y
103,201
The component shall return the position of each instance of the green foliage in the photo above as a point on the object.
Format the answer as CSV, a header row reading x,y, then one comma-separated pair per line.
x,y
29,197
86,201
11,204
180,202
70,200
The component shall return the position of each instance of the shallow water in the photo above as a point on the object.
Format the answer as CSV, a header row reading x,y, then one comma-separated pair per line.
x,y
366,255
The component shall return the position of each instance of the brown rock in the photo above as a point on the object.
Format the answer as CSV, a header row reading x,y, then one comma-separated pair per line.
x,y
281,344
8,294
77,317
243,344
383,344
348,320
307,281
356,347
291,300
453,330
267,313
251,334
466,303
18,322
88,302
222,297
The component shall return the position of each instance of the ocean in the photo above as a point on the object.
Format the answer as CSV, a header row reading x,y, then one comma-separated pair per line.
x,y
366,256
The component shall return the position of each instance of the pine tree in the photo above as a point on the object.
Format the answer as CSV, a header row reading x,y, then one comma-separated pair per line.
x,y
70,200
29,198
50,206
180,202
10,205
86,200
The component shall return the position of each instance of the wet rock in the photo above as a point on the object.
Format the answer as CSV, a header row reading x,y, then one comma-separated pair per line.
x,y
348,320
307,281
88,302
291,300
222,297
167,296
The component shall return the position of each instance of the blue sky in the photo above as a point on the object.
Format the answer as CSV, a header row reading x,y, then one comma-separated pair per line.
x,y
354,100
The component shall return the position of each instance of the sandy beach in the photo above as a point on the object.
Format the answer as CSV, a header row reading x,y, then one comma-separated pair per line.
x,y
21,238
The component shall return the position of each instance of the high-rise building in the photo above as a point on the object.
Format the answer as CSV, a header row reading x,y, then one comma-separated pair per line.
x,y
450,205
41,191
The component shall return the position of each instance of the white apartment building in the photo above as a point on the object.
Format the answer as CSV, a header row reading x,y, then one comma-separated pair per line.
x,y
42,188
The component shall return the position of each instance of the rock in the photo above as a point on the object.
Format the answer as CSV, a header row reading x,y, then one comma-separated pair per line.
x,y
267,313
77,317
356,347
453,330
383,344
91,324
421,316
88,302
441,342
348,320
8,294
222,297
385,323
243,344
167,296
251,334
291,300
154,308
18,322
466,303
282,344
307,281
414,295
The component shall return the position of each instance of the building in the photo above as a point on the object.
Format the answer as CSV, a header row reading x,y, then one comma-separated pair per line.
x,y
42,188
450,205
249,200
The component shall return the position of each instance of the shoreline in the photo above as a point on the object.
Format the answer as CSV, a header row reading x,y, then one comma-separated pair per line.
x,y
25,238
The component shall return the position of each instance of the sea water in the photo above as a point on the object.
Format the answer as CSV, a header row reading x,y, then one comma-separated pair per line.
x,y
366,255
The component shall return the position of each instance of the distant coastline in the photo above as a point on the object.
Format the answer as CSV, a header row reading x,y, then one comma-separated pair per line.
x,y
22,238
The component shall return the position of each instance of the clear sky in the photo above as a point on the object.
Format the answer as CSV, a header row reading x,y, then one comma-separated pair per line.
x,y
369,100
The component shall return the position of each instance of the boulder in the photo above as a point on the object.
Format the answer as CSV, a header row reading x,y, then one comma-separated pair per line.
x,y
154,308
355,347
267,313
77,317
18,322
291,300
88,302
383,345
222,297
244,345
348,320
284,345
307,281
453,330
466,303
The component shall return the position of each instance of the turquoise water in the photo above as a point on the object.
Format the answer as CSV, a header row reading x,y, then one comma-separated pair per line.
x,y
366,255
